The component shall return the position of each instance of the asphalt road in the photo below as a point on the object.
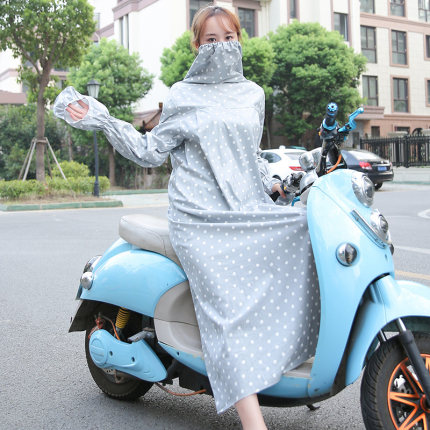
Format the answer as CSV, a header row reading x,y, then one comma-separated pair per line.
x,y
44,381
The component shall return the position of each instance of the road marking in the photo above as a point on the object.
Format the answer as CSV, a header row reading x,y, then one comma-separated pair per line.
x,y
424,214
413,275
412,249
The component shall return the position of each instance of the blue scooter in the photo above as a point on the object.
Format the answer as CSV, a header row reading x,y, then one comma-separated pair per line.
x,y
136,307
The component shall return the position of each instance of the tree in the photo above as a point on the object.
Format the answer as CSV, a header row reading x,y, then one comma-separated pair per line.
x,y
123,81
176,61
17,127
45,34
314,67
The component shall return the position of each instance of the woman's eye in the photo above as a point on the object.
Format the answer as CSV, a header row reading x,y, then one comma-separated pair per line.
x,y
212,40
229,37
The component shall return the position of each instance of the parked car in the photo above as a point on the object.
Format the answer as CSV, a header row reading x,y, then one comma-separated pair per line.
x,y
282,161
375,167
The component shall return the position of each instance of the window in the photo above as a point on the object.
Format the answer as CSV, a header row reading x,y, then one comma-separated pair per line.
x,y
368,43
428,46
341,24
400,95
247,20
401,128
370,90
397,7
375,131
271,157
97,20
293,9
428,93
195,5
123,31
424,10
367,6
398,47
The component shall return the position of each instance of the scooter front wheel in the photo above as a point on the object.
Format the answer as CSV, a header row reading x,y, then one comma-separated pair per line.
x,y
114,384
391,396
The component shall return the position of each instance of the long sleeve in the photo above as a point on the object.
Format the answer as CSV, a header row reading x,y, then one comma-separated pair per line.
x,y
149,150
266,178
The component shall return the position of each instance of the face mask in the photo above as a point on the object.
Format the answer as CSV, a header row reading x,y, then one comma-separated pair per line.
x,y
216,63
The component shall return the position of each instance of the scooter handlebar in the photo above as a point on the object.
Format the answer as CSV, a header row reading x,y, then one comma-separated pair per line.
x,y
329,121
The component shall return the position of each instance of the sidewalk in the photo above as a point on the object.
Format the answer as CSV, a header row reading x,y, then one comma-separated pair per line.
x,y
412,175
126,198
142,198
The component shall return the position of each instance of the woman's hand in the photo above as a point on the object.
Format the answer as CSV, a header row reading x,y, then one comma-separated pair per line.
x,y
77,113
277,187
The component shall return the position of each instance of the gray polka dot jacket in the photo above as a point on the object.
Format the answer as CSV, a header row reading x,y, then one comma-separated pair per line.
x,y
249,261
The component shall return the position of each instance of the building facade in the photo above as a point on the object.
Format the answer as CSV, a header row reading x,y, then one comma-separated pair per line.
x,y
394,35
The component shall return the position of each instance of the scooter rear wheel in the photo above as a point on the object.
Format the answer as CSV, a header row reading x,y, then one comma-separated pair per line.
x,y
118,386
391,397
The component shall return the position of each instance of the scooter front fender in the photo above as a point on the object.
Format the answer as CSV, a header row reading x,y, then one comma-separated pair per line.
x,y
386,300
132,278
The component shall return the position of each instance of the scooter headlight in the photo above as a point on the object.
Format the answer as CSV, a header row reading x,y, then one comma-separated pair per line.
x,y
91,263
363,188
87,277
380,226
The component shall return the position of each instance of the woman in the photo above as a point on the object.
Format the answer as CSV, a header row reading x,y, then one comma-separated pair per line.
x,y
249,262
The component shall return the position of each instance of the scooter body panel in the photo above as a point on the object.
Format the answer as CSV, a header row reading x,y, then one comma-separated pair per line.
x,y
341,287
137,358
194,362
388,300
132,278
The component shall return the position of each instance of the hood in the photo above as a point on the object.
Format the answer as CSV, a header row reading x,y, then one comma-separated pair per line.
x,y
216,63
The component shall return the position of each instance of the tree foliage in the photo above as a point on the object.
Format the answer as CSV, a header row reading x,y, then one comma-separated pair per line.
x,y
314,67
17,129
123,81
121,75
176,61
45,34
258,61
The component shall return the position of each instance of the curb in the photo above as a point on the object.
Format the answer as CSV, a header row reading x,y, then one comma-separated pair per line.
x,y
65,205
127,192
411,182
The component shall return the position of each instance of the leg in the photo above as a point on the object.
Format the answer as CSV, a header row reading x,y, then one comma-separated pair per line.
x,y
250,413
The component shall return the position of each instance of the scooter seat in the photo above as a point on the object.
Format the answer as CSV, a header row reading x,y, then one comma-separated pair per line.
x,y
148,232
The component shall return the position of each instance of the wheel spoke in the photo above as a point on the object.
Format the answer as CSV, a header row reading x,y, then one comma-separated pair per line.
x,y
408,424
414,384
403,398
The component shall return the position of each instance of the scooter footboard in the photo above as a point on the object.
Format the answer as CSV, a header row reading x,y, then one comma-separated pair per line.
x,y
383,302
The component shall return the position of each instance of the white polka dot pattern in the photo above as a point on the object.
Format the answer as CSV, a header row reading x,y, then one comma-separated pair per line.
x,y
249,262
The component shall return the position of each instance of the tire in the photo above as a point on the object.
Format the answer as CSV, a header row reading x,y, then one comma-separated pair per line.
x,y
390,397
378,186
118,386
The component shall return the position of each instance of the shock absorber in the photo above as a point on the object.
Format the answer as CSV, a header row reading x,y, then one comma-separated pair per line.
x,y
121,320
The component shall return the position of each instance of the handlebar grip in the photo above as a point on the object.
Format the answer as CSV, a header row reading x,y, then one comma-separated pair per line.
x,y
350,125
329,122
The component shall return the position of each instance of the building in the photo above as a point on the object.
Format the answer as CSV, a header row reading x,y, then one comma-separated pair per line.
x,y
393,34
395,38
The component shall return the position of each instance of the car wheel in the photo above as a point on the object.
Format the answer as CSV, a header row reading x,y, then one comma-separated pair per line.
x,y
378,186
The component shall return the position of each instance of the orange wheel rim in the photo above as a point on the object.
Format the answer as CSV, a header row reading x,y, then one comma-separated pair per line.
x,y
406,400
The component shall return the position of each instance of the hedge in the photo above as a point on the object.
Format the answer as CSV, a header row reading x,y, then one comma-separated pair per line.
x,y
52,187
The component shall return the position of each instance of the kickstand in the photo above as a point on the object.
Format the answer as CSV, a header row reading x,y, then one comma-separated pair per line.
x,y
312,407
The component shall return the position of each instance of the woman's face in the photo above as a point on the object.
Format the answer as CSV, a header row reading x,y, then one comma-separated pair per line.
x,y
217,29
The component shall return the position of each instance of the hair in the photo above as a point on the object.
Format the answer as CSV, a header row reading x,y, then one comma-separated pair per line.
x,y
207,12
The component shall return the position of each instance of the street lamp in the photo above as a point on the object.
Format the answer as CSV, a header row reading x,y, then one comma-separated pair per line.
x,y
93,87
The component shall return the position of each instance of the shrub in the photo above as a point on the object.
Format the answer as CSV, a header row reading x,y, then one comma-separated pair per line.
x,y
52,187
16,189
71,169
